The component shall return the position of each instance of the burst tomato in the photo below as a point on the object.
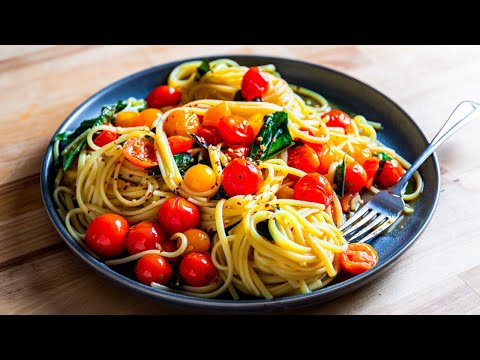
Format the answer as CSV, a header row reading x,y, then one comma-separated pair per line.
x,y
303,157
179,144
236,130
254,83
313,187
358,258
140,152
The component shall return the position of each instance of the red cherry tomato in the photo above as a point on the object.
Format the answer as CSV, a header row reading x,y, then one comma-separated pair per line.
x,y
104,138
179,144
314,146
140,152
355,178
144,236
163,95
241,177
153,268
358,258
371,167
197,269
178,215
107,235
391,173
337,118
313,187
236,130
238,152
254,83
303,157
210,135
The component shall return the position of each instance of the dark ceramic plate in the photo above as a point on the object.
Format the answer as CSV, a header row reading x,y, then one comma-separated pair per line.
x,y
400,132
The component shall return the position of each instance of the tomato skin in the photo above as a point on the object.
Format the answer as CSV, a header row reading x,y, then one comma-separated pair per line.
x,y
327,157
179,144
238,152
104,138
256,122
315,188
153,268
304,158
140,152
178,215
127,119
360,153
337,118
241,177
391,173
200,178
254,83
236,130
163,95
358,258
107,235
210,135
355,178
197,241
215,113
144,236
371,167
179,122
314,146
148,116
197,269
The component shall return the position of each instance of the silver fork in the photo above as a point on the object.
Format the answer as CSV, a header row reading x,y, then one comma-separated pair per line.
x,y
385,207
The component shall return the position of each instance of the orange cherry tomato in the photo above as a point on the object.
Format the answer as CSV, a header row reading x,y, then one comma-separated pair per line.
x,y
144,236
371,167
241,177
197,269
211,135
163,95
127,119
355,178
360,153
148,116
179,122
104,138
107,235
153,268
254,83
179,144
327,157
358,258
215,113
236,130
391,173
197,241
140,152
303,157
256,122
315,188
177,214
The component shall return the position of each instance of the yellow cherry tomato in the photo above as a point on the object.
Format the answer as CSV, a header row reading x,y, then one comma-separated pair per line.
x,y
197,241
200,178
148,116
127,119
215,113
256,122
361,153
179,122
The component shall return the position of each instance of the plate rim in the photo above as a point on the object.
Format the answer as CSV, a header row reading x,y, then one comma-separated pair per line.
x,y
256,305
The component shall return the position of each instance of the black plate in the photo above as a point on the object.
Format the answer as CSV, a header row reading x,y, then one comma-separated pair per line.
x,y
400,133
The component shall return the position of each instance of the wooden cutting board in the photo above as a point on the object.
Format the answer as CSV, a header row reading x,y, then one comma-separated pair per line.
x,y
41,85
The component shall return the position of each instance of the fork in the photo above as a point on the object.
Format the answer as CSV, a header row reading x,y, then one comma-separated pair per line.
x,y
385,207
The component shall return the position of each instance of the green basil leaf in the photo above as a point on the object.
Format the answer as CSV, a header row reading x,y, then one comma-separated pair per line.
x,y
184,162
339,177
262,229
383,156
202,69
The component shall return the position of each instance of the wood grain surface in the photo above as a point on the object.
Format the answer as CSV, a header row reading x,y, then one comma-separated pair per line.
x,y
41,85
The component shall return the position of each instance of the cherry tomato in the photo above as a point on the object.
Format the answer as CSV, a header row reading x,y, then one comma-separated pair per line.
x,y
210,135
358,258
315,188
163,95
355,178
314,146
107,235
237,152
200,178
241,177
235,130
303,157
197,269
327,157
153,268
148,116
256,122
179,144
337,118
360,153
179,122
140,152
371,167
254,83
104,138
144,236
391,173
215,113
345,202
127,119
178,215
197,241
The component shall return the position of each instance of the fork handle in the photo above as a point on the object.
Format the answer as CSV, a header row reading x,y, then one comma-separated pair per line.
x,y
463,113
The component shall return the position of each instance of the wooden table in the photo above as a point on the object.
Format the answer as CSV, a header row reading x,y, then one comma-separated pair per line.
x,y
41,85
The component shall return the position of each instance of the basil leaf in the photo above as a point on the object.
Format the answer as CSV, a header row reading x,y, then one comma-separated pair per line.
x,y
238,96
339,177
262,229
63,136
199,140
202,69
67,160
183,161
383,156
273,137
221,194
